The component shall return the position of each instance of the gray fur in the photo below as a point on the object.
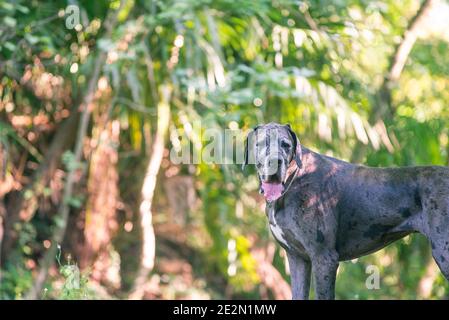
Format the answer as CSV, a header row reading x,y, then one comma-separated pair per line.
x,y
336,211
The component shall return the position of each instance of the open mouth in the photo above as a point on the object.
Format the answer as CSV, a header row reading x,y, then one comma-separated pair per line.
x,y
272,190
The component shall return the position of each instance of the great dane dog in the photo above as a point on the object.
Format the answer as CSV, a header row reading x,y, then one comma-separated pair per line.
x,y
323,210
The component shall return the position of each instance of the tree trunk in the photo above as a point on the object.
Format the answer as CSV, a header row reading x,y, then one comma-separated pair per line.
x,y
148,187
425,284
3,190
269,275
100,218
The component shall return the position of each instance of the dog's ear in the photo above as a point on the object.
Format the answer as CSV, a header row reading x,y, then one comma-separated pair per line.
x,y
246,151
296,146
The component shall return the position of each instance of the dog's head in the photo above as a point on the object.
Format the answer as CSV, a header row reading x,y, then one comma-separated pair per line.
x,y
272,147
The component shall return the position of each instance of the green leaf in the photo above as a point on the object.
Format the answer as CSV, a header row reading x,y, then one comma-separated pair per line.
x,y
10,46
10,22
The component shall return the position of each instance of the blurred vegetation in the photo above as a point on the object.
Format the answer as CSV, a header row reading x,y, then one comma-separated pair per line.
x,y
82,112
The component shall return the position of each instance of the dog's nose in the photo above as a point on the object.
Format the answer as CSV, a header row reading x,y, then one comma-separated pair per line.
x,y
272,165
271,170
271,178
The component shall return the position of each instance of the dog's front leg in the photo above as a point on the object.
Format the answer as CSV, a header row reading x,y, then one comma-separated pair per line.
x,y
324,268
299,276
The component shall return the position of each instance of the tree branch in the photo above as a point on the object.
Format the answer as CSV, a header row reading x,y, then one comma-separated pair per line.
x,y
383,107
410,36
148,187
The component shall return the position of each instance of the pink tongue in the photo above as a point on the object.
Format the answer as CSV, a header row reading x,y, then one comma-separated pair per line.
x,y
272,191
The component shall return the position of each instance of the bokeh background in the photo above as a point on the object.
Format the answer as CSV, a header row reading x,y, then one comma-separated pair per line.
x,y
92,97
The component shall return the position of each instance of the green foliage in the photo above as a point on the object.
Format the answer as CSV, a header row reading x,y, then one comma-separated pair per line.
x,y
75,286
16,278
16,281
318,65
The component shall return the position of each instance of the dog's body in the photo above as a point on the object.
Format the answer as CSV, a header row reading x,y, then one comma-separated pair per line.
x,y
334,211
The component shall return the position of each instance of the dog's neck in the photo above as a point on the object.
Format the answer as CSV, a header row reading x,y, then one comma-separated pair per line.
x,y
293,169
308,159
296,162
312,161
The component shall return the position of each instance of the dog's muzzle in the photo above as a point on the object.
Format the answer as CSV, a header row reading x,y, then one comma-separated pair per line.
x,y
272,178
272,170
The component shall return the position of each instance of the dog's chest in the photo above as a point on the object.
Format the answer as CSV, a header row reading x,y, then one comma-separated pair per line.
x,y
275,228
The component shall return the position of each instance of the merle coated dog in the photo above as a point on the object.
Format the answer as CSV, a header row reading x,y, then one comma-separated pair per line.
x,y
323,210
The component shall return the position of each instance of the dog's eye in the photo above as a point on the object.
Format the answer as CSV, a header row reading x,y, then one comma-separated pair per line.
x,y
285,145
